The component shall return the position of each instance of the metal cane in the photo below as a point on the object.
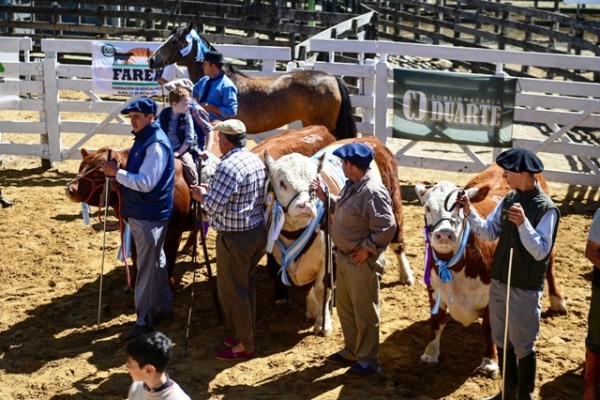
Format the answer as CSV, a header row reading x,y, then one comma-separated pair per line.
x,y
106,205
510,258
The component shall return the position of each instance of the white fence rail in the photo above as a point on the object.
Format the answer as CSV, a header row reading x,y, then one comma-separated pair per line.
x,y
545,112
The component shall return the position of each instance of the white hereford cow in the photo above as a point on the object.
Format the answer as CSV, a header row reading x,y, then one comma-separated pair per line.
x,y
465,296
290,178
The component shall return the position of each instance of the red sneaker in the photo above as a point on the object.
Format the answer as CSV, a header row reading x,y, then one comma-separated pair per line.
x,y
230,355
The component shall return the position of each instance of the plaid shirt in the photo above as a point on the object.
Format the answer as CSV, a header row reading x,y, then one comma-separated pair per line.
x,y
236,195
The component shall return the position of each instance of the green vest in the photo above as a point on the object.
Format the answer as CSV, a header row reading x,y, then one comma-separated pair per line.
x,y
527,272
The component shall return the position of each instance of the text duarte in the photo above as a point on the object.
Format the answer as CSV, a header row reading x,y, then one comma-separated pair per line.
x,y
417,107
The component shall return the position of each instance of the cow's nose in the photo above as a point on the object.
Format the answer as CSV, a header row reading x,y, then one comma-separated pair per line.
x,y
304,205
445,236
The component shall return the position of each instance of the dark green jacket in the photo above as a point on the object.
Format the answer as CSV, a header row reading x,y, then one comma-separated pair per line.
x,y
527,272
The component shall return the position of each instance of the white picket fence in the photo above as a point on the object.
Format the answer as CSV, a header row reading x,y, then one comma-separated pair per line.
x,y
559,106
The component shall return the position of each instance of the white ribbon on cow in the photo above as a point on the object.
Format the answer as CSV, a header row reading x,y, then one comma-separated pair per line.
x,y
190,38
444,266
289,254
85,212
125,248
275,225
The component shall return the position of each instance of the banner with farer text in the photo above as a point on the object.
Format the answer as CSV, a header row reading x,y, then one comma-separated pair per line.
x,y
122,69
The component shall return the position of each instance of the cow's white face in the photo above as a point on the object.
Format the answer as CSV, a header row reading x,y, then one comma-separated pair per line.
x,y
290,178
445,227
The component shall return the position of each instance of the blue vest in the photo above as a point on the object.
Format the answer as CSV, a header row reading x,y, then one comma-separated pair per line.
x,y
158,203
527,272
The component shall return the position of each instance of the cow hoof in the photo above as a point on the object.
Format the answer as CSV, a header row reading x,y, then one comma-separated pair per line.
x,y
426,358
323,333
558,305
489,367
408,281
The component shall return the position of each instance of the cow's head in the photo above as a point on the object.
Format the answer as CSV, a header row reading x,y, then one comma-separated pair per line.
x,y
290,178
445,224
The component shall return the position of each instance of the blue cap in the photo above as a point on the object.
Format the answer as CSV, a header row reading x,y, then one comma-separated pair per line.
x,y
358,154
143,104
520,160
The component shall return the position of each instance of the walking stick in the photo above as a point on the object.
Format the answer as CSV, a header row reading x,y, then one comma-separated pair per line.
x,y
106,205
328,253
211,280
197,215
328,259
510,258
195,264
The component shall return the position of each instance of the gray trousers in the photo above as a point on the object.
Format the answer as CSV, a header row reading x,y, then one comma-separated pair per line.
x,y
152,290
357,303
238,254
523,319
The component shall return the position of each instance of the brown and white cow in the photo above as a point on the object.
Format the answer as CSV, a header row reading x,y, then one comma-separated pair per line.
x,y
290,177
466,296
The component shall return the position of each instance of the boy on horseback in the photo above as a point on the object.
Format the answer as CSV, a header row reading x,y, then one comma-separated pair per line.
x,y
188,130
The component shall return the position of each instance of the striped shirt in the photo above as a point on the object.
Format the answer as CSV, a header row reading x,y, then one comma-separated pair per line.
x,y
236,195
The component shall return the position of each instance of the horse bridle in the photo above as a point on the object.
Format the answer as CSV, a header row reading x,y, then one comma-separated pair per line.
x,y
96,185
452,221
461,193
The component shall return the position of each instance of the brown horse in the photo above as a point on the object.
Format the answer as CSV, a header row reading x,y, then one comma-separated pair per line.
x,y
269,102
88,187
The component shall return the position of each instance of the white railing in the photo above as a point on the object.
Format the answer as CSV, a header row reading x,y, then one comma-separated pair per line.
x,y
545,110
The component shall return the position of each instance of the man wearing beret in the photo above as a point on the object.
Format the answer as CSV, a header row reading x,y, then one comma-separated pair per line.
x,y
147,203
234,202
363,226
215,92
526,221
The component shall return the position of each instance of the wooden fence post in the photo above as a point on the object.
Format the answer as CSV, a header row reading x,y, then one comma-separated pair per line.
x,y
51,137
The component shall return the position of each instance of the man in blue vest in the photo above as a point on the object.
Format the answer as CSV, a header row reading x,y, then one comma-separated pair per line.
x,y
147,203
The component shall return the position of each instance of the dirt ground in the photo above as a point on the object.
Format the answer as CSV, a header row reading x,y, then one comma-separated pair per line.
x,y
50,347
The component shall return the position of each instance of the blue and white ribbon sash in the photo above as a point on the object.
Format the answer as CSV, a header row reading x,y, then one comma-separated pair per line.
x,y
289,254
444,266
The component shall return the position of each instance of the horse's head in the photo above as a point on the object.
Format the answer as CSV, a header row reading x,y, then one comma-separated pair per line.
x,y
290,178
184,44
89,182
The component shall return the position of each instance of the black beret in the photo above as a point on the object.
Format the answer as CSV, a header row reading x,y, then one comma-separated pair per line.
x,y
520,160
358,154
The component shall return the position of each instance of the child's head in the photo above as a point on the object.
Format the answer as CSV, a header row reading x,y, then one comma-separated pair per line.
x,y
179,99
149,351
